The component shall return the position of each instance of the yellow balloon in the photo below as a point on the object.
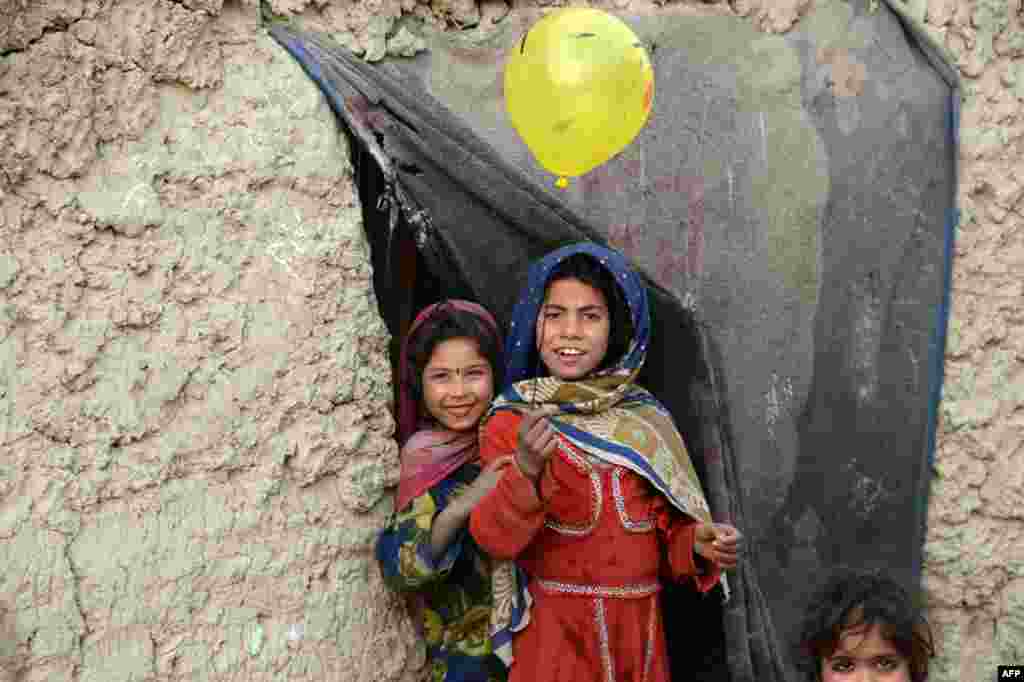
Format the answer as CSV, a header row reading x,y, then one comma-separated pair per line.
x,y
578,89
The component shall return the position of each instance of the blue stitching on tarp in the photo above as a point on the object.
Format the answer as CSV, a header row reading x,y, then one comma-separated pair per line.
x,y
938,345
312,69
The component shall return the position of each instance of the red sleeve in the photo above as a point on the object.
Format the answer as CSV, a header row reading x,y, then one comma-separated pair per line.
x,y
677,531
505,521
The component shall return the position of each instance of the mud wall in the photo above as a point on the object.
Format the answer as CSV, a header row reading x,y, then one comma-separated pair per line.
x,y
195,442
194,431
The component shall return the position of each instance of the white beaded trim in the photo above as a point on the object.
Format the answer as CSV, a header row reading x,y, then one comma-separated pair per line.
x,y
597,492
620,506
649,648
601,591
606,650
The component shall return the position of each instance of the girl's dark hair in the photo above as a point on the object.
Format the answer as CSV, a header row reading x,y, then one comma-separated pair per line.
x,y
446,323
856,600
587,269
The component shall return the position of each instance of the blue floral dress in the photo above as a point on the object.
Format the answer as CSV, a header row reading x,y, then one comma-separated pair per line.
x,y
456,587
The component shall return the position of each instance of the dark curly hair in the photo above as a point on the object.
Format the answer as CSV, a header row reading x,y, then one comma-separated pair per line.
x,y
856,599
446,323
587,269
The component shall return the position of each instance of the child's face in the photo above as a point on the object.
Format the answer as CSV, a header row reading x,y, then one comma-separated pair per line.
x,y
572,329
458,384
863,655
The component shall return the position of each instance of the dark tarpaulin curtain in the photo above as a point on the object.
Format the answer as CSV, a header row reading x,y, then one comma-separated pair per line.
x,y
477,223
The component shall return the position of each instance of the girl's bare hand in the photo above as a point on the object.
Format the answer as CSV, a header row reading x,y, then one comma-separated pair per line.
x,y
536,441
483,483
718,542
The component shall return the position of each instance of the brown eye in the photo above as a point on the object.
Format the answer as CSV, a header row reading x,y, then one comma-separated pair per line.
x,y
841,665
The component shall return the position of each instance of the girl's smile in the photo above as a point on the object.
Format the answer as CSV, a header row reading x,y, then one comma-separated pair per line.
x,y
458,384
572,329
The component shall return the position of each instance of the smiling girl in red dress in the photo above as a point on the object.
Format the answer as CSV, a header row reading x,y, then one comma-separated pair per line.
x,y
603,503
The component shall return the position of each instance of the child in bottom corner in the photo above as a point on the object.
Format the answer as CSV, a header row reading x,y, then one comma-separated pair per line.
x,y
864,627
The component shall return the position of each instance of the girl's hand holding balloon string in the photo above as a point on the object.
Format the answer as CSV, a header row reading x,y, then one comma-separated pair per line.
x,y
536,441
718,542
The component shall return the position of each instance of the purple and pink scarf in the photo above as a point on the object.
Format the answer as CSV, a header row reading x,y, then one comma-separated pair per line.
x,y
429,451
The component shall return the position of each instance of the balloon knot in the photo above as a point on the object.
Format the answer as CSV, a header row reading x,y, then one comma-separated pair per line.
x,y
561,183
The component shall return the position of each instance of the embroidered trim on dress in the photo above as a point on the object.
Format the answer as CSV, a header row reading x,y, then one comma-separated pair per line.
x,y
649,648
606,649
597,493
620,506
601,591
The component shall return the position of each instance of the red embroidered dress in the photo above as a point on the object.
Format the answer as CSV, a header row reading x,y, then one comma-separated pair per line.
x,y
597,542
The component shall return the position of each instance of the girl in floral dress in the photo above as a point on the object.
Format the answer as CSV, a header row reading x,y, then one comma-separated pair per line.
x,y
450,364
